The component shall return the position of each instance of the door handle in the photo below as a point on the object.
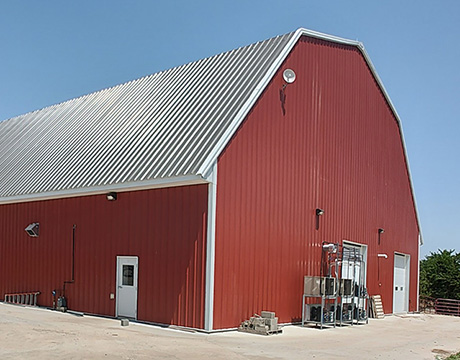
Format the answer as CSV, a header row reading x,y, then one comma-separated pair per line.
x,y
119,286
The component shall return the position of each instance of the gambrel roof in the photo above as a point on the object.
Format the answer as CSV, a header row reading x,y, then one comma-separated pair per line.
x,y
160,130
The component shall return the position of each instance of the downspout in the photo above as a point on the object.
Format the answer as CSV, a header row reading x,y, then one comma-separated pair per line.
x,y
72,280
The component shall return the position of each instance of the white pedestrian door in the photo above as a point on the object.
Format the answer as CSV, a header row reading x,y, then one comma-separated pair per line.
x,y
401,287
127,286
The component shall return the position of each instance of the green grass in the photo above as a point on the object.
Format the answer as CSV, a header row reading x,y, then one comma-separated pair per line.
x,y
454,357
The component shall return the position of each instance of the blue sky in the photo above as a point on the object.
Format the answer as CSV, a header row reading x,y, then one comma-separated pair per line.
x,y
51,51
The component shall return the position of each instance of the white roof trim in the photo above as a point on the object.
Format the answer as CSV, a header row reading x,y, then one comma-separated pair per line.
x,y
207,165
98,190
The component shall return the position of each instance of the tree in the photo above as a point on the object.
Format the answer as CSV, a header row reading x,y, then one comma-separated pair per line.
x,y
440,275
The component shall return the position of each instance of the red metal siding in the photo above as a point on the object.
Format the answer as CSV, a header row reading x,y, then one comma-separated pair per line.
x,y
165,228
337,148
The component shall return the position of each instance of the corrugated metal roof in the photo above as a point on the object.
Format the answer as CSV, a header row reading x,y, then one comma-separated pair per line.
x,y
161,130
161,126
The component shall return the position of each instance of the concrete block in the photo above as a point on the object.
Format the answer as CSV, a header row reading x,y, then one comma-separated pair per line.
x,y
267,314
272,323
124,322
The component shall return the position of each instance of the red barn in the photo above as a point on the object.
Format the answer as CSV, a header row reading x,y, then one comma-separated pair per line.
x,y
190,196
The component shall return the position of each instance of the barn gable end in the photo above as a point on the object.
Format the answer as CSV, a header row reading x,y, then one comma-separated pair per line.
x,y
337,147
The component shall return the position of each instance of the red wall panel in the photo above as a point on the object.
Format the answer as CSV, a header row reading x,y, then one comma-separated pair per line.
x,y
165,228
338,148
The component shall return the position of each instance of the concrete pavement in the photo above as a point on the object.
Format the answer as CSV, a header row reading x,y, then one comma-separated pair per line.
x,y
34,333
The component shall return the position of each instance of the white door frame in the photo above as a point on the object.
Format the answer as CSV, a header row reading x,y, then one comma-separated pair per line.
x,y
136,269
407,280
364,249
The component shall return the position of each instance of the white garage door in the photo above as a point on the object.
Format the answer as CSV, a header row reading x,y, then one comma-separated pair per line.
x,y
401,284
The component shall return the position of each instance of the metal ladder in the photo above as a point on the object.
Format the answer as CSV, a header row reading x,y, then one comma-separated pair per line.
x,y
28,298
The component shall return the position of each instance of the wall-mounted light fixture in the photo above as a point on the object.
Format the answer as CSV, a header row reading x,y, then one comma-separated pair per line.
x,y
32,229
382,256
319,212
111,196
381,231
288,77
